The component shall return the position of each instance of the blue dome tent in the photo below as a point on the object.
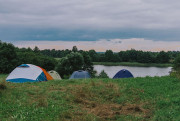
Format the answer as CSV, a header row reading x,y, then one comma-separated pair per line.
x,y
123,74
80,75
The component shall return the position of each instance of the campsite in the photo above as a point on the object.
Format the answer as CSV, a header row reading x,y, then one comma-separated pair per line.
x,y
74,91
89,60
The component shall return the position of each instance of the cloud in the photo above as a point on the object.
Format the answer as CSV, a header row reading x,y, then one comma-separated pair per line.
x,y
99,16
51,34
91,13
103,45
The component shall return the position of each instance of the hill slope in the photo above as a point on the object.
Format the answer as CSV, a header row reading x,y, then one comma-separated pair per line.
x,y
156,98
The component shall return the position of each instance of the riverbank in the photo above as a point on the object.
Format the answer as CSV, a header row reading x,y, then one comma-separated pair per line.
x,y
133,64
91,99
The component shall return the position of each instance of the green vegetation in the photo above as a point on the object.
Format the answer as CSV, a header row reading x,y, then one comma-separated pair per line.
x,y
73,62
122,56
150,98
176,68
11,57
133,64
103,74
177,64
8,57
57,59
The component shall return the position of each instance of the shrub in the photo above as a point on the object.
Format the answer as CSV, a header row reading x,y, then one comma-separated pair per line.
x,y
103,74
3,85
176,67
8,57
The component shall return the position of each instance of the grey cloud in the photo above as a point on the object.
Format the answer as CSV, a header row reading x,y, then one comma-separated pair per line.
x,y
67,16
86,35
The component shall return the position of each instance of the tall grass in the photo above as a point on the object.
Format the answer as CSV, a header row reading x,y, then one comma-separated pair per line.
x,y
2,82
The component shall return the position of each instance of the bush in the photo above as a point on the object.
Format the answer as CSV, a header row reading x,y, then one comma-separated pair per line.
x,y
8,57
3,86
103,74
176,65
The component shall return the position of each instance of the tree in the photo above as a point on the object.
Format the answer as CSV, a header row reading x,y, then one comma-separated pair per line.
x,y
132,55
76,60
109,56
176,68
88,65
176,65
38,59
124,56
74,49
36,49
72,62
162,57
116,58
145,57
102,57
8,57
94,56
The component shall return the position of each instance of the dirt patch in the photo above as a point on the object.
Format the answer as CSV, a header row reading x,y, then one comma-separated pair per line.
x,y
99,104
56,89
39,100
3,85
108,111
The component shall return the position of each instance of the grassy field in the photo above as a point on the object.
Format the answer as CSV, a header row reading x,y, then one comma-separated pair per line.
x,y
133,64
150,98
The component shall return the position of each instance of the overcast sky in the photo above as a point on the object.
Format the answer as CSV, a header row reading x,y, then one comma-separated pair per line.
x,y
90,20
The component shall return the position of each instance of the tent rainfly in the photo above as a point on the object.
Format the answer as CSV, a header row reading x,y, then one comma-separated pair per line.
x,y
123,74
80,75
28,73
54,75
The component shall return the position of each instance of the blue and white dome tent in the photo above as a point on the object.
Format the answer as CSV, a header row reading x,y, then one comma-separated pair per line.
x,y
28,73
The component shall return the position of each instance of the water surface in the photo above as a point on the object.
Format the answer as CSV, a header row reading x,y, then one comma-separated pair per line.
x,y
136,71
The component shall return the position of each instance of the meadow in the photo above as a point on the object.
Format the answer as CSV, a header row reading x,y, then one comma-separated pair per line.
x,y
134,99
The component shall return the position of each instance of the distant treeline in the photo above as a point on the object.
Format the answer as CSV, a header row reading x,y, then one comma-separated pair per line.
x,y
122,56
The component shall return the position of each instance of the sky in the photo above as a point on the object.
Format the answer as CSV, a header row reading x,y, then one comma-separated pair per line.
x,y
149,25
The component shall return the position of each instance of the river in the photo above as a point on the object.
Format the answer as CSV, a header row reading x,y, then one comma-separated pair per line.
x,y
136,71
